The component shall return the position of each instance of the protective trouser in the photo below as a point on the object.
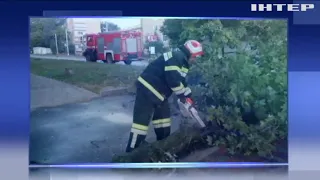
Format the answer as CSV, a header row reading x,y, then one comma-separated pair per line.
x,y
144,111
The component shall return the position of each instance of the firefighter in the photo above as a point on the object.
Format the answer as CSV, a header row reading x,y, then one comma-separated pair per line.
x,y
161,78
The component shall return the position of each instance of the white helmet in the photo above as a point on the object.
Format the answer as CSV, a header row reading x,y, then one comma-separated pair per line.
x,y
194,47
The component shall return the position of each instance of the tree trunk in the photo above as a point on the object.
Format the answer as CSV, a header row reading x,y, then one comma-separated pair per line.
x,y
165,150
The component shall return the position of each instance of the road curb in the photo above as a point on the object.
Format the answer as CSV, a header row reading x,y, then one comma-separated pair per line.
x,y
105,92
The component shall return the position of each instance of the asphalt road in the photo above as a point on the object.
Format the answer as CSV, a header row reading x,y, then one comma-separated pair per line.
x,y
84,132
81,58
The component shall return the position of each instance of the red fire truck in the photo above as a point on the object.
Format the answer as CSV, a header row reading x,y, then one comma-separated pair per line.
x,y
112,47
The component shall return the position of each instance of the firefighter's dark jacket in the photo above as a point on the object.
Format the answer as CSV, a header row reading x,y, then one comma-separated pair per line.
x,y
165,75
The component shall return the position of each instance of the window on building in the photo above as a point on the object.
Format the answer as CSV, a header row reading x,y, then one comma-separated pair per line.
x,y
77,39
80,24
79,33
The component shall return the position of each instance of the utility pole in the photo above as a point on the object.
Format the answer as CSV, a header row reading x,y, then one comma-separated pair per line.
x,y
67,42
56,39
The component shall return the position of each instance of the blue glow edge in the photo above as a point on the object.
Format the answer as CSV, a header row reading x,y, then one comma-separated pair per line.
x,y
166,165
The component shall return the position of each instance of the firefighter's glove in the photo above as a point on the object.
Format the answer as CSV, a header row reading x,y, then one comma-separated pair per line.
x,y
184,105
187,92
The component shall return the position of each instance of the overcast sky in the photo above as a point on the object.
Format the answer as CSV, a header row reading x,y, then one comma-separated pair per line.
x,y
128,22
124,23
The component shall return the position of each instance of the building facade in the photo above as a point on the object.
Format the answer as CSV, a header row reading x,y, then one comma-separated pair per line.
x,y
78,27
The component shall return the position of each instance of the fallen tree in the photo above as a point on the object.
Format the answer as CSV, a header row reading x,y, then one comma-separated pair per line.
x,y
191,139
187,139
245,70
167,150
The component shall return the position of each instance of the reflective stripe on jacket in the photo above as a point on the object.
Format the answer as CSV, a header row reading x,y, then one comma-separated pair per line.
x,y
166,74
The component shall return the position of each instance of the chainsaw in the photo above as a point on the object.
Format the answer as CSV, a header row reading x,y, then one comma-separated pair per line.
x,y
188,110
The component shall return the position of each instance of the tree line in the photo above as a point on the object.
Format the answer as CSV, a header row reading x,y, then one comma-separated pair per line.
x,y
49,32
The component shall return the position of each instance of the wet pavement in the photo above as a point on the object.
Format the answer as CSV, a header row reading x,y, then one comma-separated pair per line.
x,y
84,132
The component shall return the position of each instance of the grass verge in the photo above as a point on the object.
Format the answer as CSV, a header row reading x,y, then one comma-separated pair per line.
x,y
90,76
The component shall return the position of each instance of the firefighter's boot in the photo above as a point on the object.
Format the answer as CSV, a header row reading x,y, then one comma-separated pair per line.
x,y
137,137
